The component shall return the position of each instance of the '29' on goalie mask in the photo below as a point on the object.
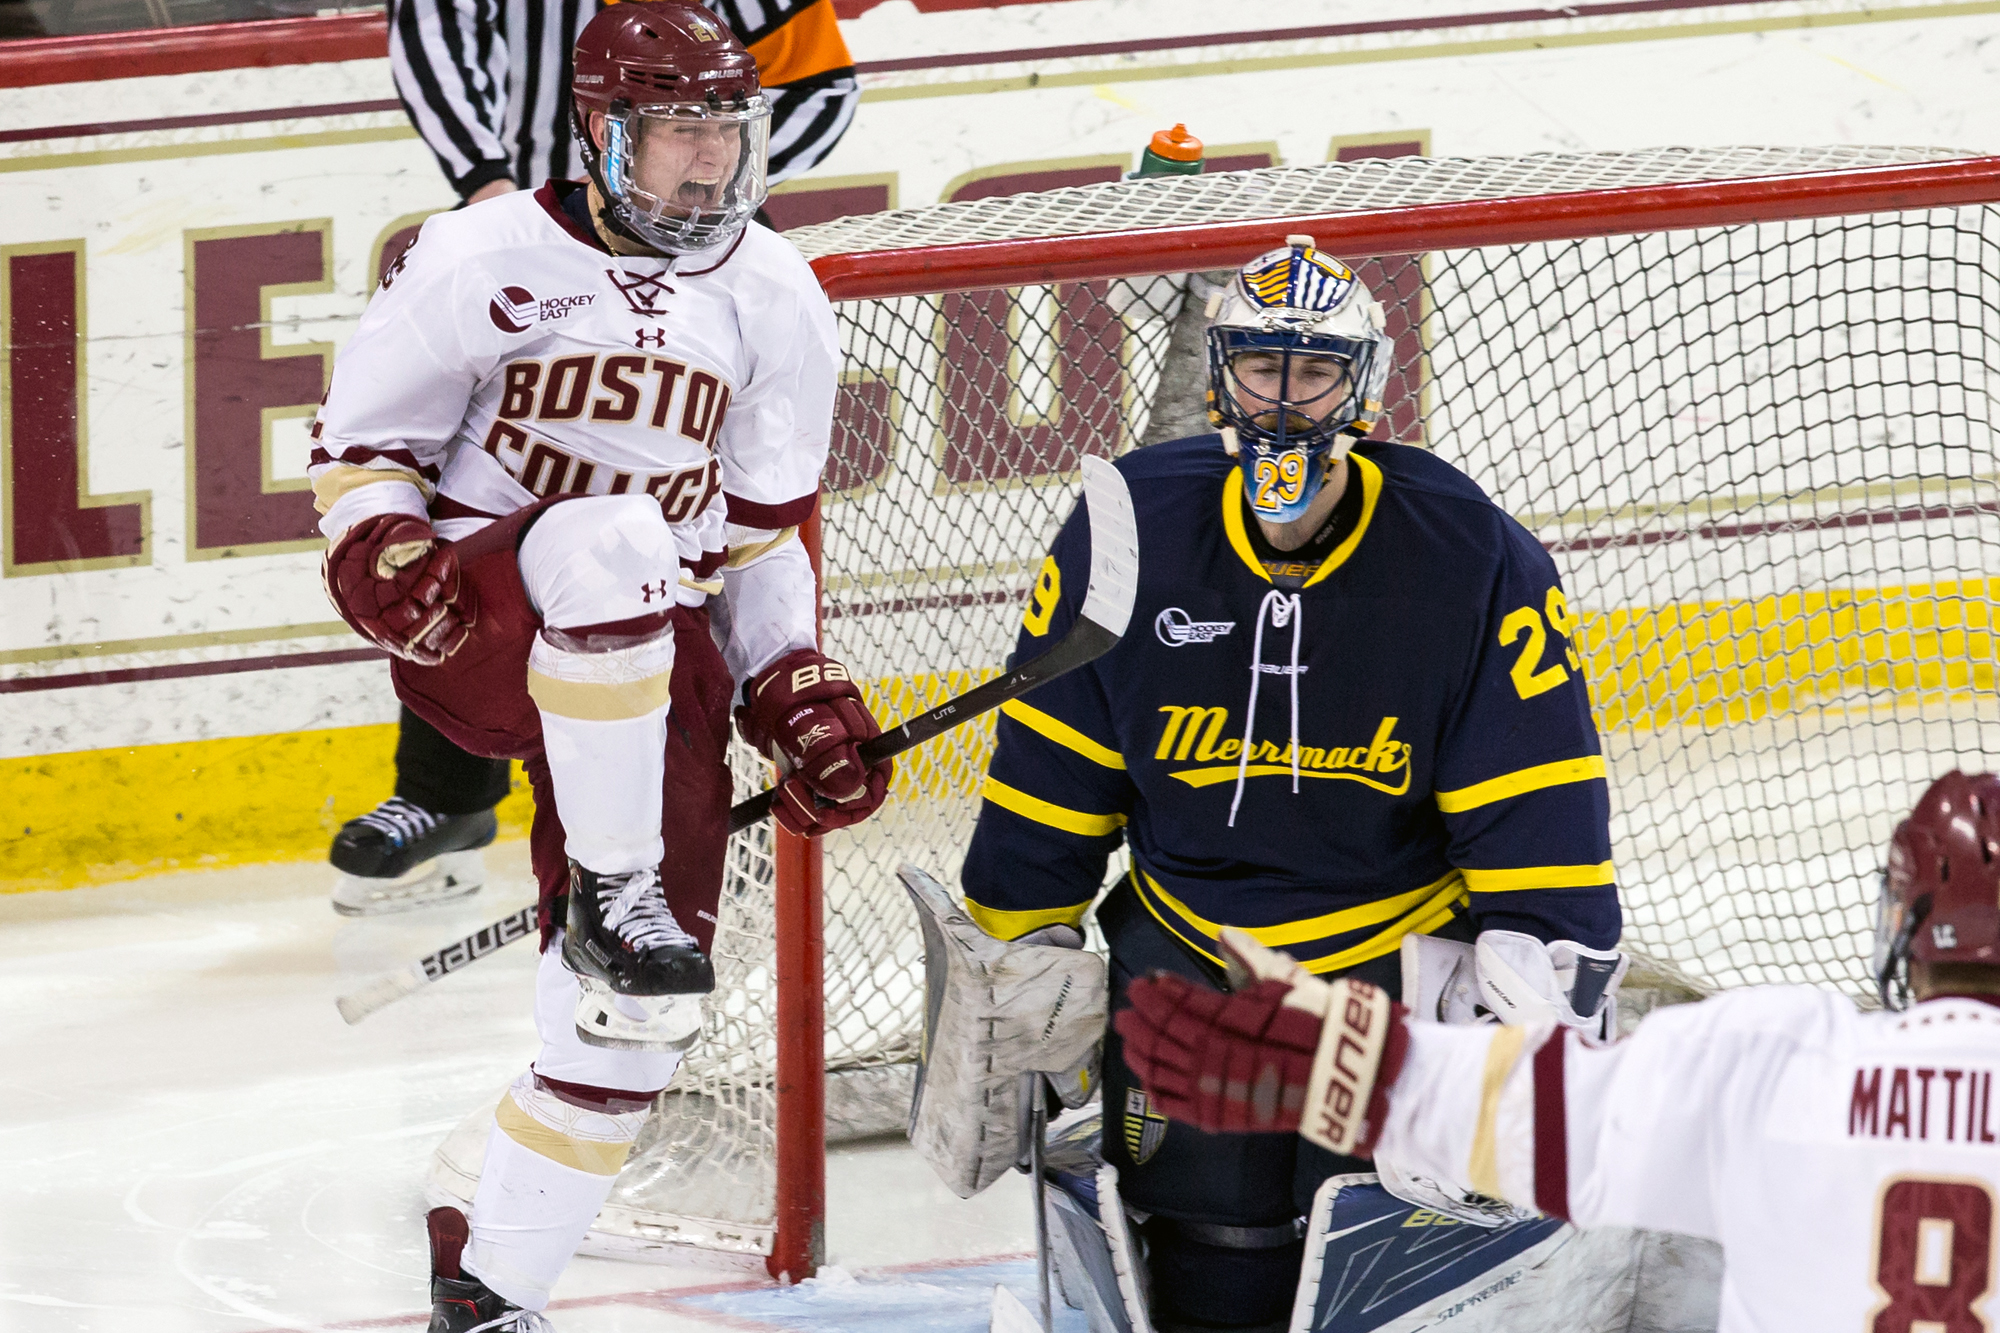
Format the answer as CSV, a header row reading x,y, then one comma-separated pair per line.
x,y
1297,360
683,120
1941,894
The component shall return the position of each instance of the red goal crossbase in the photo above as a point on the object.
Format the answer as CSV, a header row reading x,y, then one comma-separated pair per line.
x,y
1099,256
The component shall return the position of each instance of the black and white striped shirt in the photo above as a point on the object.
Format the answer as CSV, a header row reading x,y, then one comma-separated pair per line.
x,y
486,82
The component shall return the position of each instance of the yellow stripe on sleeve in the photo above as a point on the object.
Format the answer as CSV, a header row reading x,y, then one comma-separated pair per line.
x,y
1520,782
1005,925
1045,812
1483,1170
1063,734
1538,877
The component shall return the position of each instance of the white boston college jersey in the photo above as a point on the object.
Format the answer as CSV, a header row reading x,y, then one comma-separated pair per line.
x,y
1847,1163
509,357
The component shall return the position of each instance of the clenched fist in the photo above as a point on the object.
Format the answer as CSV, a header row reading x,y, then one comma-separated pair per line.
x,y
804,712
398,586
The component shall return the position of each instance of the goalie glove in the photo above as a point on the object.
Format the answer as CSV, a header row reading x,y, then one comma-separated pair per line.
x,y
804,712
398,586
1287,1051
1523,981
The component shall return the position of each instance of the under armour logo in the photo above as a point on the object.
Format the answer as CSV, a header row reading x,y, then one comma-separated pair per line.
x,y
641,293
1944,936
641,338
648,591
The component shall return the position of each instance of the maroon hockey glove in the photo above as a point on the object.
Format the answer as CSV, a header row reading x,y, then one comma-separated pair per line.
x,y
1251,1063
804,712
1222,1063
392,580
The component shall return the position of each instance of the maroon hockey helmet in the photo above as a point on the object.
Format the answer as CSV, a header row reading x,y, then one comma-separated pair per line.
x,y
685,124
1941,894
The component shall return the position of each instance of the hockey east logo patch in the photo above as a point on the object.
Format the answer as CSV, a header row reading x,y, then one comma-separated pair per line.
x,y
1145,1128
516,310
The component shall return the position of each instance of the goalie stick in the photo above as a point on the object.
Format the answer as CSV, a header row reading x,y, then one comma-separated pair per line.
x,y
1102,621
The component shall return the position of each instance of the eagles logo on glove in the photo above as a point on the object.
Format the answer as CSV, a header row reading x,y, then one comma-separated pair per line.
x,y
804,712
398,586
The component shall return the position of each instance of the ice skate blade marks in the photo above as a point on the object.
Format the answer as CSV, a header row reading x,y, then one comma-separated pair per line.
x,y
445,878
636,1023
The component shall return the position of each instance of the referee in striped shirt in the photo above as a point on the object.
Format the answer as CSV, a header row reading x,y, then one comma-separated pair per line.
x,y
486,82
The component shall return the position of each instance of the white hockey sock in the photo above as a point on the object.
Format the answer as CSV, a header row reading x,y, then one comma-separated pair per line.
x,y
549,1168
604,730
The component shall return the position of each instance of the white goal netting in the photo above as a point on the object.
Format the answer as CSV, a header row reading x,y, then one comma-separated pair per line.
x,y
1763,457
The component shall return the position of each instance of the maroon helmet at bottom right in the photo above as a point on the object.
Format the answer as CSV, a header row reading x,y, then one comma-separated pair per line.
x,y
1941,895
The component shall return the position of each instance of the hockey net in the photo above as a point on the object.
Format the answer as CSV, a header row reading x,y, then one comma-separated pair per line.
x,y
1762,454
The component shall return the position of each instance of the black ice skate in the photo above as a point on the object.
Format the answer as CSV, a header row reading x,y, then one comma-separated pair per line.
x,y
401,856
621,932
461,1303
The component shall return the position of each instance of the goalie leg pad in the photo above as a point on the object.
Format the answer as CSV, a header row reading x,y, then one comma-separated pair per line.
x,y
992,1012
1097,1262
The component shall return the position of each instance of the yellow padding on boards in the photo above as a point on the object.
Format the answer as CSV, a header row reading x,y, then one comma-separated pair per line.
x,y
599,701
94,816
597,1158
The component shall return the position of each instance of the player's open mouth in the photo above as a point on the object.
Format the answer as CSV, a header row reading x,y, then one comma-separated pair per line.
x,y
698,194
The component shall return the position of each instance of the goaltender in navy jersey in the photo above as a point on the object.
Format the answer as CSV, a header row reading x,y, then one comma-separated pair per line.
x,y
1421,737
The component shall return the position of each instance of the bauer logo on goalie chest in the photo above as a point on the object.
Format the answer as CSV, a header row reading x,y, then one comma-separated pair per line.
x,y
1145,1128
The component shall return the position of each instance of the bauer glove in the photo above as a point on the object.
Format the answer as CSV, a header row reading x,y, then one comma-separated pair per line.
x,y
1287,1051
398,586
804,713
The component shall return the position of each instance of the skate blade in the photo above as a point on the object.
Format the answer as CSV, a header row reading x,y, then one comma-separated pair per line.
x,y
605,1018
442,879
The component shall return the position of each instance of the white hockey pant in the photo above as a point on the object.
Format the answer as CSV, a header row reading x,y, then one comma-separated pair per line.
x,y
552,1155
591,567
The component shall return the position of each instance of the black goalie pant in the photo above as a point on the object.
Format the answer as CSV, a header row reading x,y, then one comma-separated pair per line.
x,y
440,777
1227,1233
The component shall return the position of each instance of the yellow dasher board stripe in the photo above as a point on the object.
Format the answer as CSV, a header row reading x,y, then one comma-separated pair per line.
x,y
1690,663
1719,663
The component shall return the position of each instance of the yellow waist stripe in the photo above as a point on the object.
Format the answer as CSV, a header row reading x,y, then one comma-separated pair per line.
x,y
597,1158
1044,812
1539,877
1484,1166
1062,733
1005,925
1520,782
1421,910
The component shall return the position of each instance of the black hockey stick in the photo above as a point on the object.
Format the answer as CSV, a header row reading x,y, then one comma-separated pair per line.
x,y
1102,621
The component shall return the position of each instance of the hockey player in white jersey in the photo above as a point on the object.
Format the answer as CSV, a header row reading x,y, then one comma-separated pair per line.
x,y
562,464
1847,1162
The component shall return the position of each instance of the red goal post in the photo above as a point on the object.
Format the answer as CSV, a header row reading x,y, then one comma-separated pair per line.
x,y
1747,398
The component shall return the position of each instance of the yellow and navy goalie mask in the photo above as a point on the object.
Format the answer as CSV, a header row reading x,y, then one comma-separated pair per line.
x,y
1297,360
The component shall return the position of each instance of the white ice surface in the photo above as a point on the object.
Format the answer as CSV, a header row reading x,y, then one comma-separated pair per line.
x,y
190,1139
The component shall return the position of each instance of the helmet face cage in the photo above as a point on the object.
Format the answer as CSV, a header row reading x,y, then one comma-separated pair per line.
x,y
685,177
1299,305
1896,925
1289,442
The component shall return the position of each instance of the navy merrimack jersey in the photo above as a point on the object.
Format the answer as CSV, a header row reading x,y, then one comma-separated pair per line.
x,y
1332,756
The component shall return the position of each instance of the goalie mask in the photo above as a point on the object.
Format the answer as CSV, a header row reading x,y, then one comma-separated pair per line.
x,y
1941,896
1297,361
685,125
